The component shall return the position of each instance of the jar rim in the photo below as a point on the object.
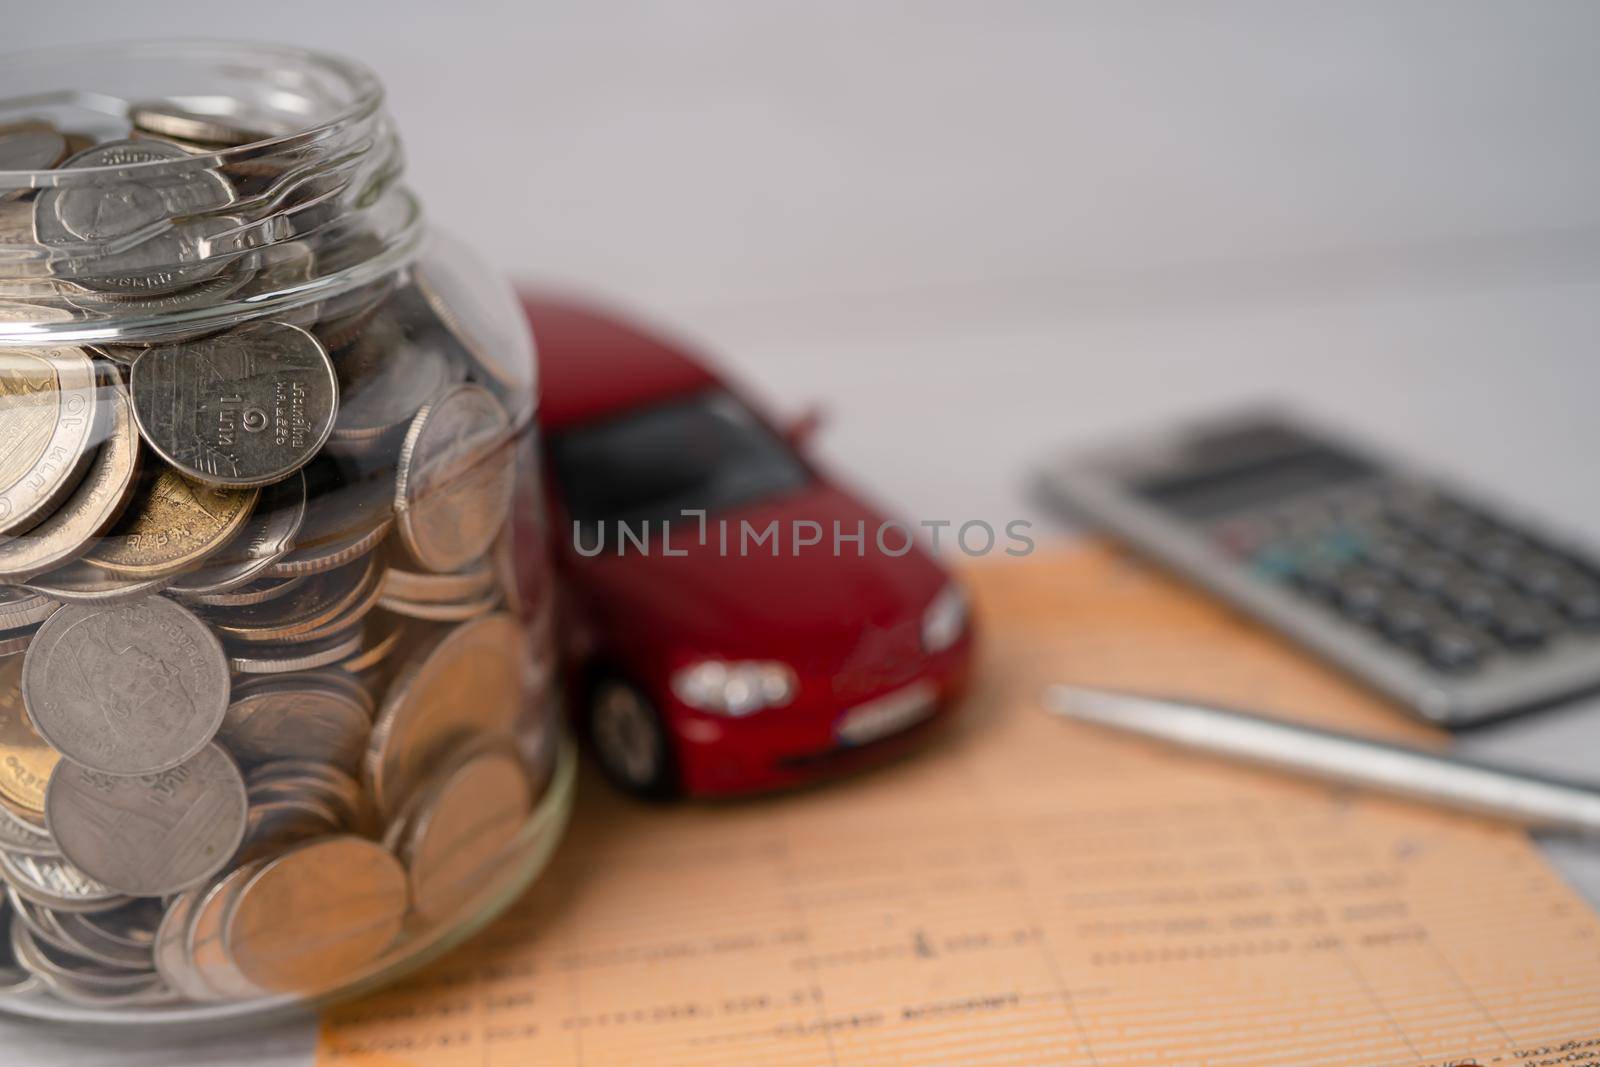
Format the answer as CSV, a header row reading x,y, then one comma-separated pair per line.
x,y
363,84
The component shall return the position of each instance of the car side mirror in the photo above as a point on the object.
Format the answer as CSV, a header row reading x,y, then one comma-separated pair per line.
x,y
802,429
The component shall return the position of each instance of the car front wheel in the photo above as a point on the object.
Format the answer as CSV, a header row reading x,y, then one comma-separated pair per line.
x,y
629,740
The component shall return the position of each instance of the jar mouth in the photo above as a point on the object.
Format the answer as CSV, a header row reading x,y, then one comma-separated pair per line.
x,y
181,184
358,84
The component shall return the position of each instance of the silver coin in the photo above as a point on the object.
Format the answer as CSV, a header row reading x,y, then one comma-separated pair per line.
x,y
17,836
296,722
203,939
481,325
454,479
39,920
56,883
132,926
383,380
172,954
309,608
133,193
341,525
242,408
73,978
205,293
174,258
318,559
49,415
257,592
282,659
93,506
267,536
38,149
151,834
18,640
15,979
71,932
79,583
132,689
166,119
24,607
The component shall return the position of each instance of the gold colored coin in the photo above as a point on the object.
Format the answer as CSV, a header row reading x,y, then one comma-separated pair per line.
x,y
172,524
25,759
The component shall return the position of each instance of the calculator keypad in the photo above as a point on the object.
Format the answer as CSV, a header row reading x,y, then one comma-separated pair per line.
x,y
1447,581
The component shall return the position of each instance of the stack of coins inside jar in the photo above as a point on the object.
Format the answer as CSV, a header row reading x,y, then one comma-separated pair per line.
x,y
273,694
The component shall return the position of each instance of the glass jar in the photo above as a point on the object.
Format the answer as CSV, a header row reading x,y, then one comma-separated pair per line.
x,y
277,716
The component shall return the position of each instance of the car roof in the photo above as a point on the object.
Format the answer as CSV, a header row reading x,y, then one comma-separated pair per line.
x,y
594,363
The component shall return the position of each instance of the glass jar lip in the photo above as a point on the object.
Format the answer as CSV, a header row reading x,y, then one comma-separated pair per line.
x,y
365,88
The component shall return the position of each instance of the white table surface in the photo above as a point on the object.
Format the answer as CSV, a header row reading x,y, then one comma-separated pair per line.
x,y
977,233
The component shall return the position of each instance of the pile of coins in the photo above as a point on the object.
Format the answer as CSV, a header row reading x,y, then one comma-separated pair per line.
x,y
268,676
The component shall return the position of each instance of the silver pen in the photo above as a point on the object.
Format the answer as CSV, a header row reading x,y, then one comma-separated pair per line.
x,y
1531,800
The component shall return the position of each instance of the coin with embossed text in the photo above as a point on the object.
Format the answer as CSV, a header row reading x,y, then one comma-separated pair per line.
x,y
172,523
134,194
48,418
269,534
131,689
153,834
96,502
241,408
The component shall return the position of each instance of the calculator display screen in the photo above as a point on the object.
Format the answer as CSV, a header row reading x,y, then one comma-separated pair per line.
x,y
1207,490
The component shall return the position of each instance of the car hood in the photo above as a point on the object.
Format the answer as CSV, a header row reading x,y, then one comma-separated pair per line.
x,y
814,609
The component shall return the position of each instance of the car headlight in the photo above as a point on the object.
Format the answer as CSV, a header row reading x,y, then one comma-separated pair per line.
x,y
735,689
945,619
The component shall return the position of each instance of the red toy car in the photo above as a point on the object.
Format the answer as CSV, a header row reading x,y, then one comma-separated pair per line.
x,y
704,660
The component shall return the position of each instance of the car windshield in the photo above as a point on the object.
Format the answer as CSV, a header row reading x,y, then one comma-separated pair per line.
x,y
706,452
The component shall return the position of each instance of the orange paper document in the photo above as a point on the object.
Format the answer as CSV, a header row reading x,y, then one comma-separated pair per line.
x,y
1028,890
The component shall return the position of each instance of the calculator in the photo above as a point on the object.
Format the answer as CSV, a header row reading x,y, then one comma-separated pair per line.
x,y
1445,602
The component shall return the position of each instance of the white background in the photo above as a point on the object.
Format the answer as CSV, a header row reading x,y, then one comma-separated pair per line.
x,y
976,233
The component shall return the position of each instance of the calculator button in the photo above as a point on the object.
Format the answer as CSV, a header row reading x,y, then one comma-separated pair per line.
x,y
1520,628
1360,594
1545,579
1581,604
1429,572
1454,649
1406,619
1472,598
1496,554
